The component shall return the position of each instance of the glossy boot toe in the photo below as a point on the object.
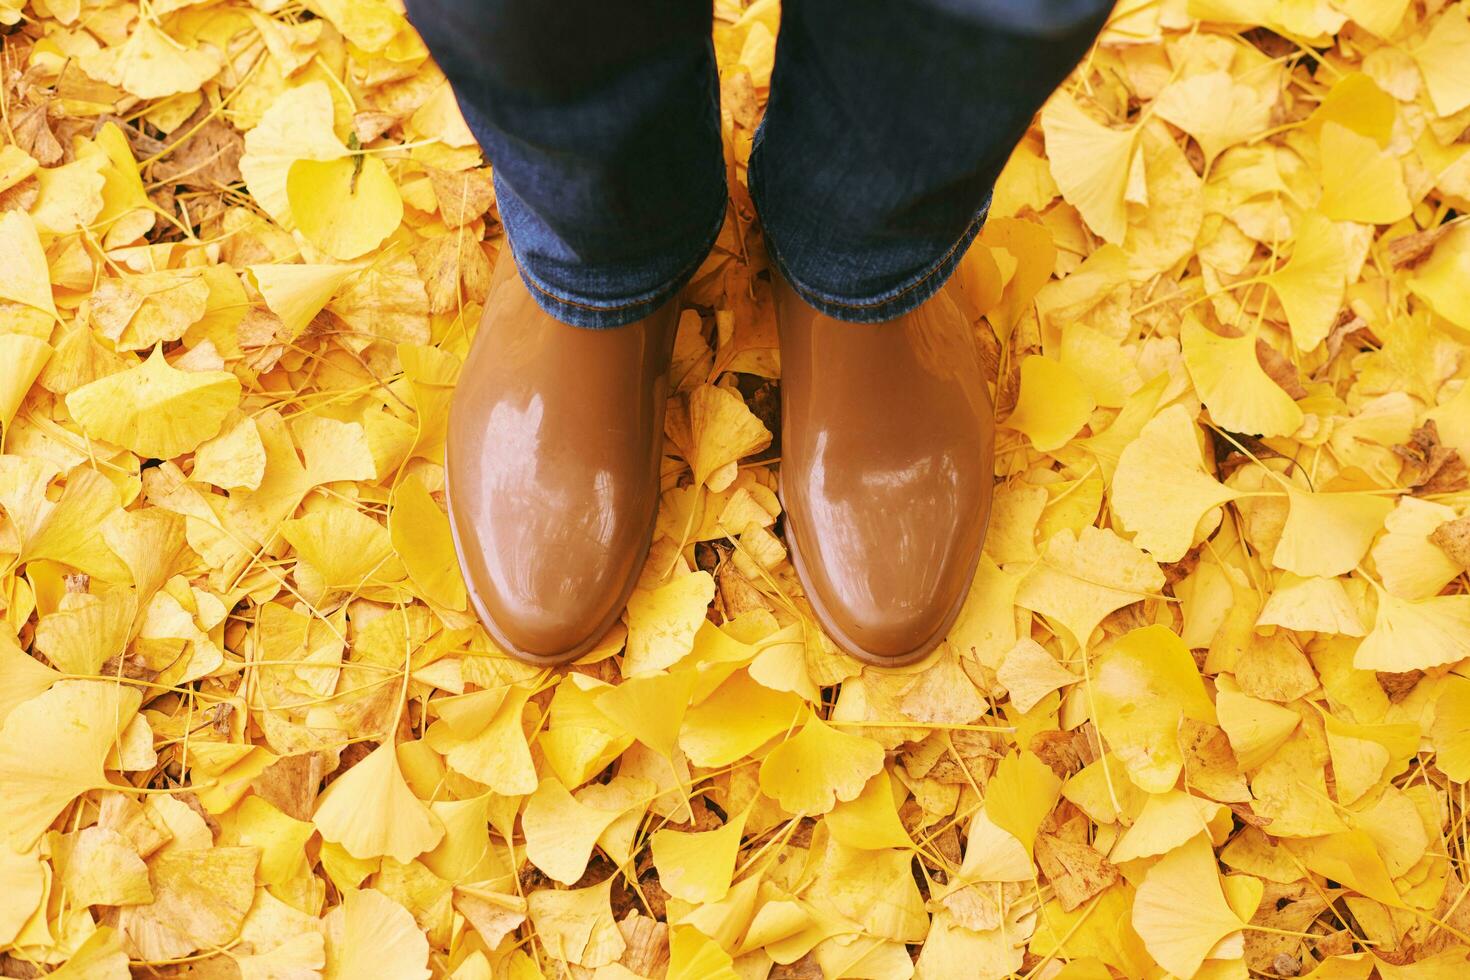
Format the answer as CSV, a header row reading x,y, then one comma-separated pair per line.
x,y
886,471
552,468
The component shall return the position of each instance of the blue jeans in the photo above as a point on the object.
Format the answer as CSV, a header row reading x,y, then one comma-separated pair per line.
x,y
888,123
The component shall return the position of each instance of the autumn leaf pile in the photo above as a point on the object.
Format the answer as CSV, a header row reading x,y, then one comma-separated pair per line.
x,y
1205,713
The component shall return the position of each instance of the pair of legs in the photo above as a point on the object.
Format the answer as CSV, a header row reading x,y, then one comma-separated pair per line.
x,y
887,125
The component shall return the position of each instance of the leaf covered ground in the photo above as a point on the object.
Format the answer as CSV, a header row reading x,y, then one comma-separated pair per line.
x,y
1206,711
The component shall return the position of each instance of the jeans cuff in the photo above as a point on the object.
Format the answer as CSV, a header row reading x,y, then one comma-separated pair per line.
x,y
886,304
895,301
601,313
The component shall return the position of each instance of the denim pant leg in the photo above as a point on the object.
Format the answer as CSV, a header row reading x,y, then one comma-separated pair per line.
x,y
888,124
601,121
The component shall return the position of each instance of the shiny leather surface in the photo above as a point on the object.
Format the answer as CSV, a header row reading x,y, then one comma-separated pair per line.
x,y
886,471
552,466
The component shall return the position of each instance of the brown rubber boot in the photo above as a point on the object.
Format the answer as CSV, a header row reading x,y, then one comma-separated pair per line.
x,y
552,469
886,471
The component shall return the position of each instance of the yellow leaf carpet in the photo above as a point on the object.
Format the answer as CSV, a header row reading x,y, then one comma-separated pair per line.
x,y
1206,712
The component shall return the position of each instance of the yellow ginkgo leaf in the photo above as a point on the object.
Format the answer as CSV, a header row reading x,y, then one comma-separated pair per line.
x,y
994,854
628,797
420,534
496,752
739,717
1310,284
1291,790
344,546
281,839
292,45
1053,404
200,898
1328,534
52,749
723,430
296,293
465,847
695,956
1168,820
1029,254
1319,605
1184,879
1144,684
1092,164
69,197
580,740
1439,280
23,358
101,957
25,880
1447,965
303,954
1416,634
15,166
150,542
154,409
492,914
143,311
1357,765
232,460
1020,795
1100,930
870,822
1349,858
650,707
64,530
297,126
1441,59
576,925
1356,102
1215,109
1360,181
1082,578
1100,791
24,276
561,832
1450,732
334,450
1030,673
1161,490
1105,369
662,622
152,65
1235,388
22,677
87,630
371,812
345,207
368,25
809,772
439,118
1409,563
1381,17
370,935
697,866
846,880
